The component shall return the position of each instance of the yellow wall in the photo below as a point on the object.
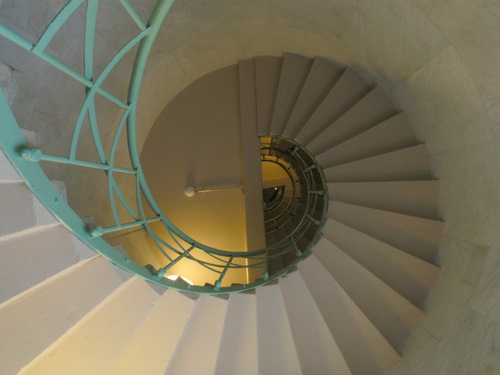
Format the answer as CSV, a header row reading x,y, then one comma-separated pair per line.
x,y
196,141
274,175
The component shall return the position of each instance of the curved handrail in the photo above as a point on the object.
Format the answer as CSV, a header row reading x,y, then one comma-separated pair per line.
x,y
179,246
283,211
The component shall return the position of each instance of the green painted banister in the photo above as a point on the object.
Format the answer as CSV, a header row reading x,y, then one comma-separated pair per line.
x,y
177,246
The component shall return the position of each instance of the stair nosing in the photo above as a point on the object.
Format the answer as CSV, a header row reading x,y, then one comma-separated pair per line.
x,y
440,221
28,232
368,90
33,289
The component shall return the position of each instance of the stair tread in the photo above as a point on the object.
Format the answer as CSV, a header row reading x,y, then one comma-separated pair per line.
x,y
248,98
365,350
201,336
92,345
293,75
320,80
416,198
316,348
16,199
346,92
410,276
7,171
415,235
33,255
390,135
277,353
411,163
372,109
392,314
62,301
267,74
238,349
156,340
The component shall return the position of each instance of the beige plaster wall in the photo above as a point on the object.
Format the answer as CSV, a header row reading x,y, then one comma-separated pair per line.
x,y
196,141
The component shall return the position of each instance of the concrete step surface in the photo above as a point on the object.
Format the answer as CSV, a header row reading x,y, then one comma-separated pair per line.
x,y
93,344
294,73
364,348
411,163
392,314
415,235
410,276
345,93
416,198
321,78
372,109
390,135
267,73
61,300
196,351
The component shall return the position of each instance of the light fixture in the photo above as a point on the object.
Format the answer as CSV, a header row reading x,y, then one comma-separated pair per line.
x,y
189,191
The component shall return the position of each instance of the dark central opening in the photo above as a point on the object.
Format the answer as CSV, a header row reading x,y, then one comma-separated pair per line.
x,y
271,194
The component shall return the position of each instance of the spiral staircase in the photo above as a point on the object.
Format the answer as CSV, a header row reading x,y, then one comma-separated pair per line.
x,y
344,310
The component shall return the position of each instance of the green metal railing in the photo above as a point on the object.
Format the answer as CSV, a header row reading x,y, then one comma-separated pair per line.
x,y
146,215
305,199
279,195
279,214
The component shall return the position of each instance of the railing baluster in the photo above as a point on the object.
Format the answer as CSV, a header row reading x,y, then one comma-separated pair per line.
x,y
36,155
56,24
317,222
90,22
314,166
133,14
297,250
218,283
317,192
162,271
265,275
99,231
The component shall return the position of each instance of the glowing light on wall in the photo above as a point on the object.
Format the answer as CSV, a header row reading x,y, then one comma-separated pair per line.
x,y
176,277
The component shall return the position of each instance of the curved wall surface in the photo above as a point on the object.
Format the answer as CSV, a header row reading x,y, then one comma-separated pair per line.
x,y
439,60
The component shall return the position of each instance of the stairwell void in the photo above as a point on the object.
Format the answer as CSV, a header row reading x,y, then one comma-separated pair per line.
x,y
208,153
